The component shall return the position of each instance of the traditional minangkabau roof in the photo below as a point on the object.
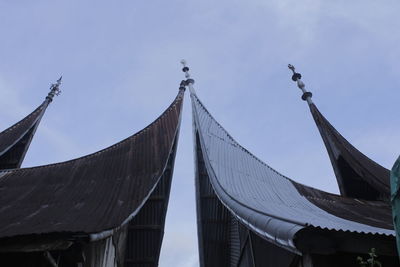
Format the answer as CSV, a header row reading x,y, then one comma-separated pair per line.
x,y
271,204
93,196
15,141
357,175
266,202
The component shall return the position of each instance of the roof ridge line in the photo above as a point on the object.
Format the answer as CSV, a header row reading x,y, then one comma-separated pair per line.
x,y
237,144
111,147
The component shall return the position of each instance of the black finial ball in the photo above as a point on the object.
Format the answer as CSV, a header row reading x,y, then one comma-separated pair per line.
x,y
296,76
306,95
185,69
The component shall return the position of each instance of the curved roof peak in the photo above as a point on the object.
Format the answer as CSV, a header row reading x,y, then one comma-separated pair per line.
x,y
267,202
15,140
100,192
357,175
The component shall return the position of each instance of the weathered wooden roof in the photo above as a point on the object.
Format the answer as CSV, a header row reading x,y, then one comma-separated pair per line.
x,y
92,195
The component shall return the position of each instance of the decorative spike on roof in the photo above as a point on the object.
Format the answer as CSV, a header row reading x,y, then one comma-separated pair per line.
x,y
54,90
297,78
15,141
357,175
189,81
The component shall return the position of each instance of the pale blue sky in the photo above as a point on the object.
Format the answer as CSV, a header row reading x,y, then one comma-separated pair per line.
x,y
120,62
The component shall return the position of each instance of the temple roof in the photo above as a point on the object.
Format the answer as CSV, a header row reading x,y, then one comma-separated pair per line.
x,y
270,204
94,194
358,176
15,140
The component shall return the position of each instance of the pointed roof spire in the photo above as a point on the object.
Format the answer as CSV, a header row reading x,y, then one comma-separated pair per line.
x,y
189,81
15,140
297,78
357,175
54,90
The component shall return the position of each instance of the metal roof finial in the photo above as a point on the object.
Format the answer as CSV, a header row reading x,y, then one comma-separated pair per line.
x,y
182,85
189,81
54,90
296,77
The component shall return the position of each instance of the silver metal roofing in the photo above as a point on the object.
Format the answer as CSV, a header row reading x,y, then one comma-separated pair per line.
x,y
263,199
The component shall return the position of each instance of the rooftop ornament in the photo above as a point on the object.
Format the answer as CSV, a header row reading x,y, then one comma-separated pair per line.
x,y
54,90
189,81
296,77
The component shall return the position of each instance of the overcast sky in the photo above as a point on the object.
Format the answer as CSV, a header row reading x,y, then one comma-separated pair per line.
x,y
120,63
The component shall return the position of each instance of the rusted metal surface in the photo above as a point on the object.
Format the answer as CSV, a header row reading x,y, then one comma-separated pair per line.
x,y
374,213
358,176
91,194
15,140
270,204
146,230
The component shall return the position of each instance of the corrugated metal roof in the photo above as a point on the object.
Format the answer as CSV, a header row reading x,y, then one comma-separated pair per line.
x,y
267,202
91,194
146,230
213,219
357,175
15,140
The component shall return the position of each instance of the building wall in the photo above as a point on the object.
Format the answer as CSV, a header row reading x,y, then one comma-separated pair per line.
x,y
108,252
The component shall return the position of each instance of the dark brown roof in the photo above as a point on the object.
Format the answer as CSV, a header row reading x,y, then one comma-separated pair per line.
x,y
373,213
15,141
146,230
358,176
90,194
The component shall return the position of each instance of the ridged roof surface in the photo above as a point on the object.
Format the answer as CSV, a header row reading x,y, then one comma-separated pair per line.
x,y
357,175
93,193
271,204
15,140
